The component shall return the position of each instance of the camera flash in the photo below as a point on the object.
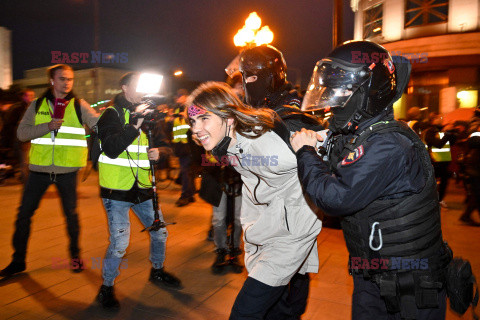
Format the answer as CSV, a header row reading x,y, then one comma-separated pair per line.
x,y
149,83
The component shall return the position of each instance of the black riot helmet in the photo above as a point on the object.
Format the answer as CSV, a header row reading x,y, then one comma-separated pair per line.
x,y
357,81
264,72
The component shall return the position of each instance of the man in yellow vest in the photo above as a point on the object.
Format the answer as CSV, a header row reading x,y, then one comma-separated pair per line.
x,y
125,184
58,150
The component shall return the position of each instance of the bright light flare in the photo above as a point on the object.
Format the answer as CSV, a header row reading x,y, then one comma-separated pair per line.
x,y
264,36
253,22
149,83
178,73
243,37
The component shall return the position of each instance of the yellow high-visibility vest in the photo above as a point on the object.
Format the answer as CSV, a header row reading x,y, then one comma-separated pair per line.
x,y
132,164
68,148
441,154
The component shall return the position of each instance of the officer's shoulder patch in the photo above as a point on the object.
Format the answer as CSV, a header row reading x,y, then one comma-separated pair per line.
x,y
353,156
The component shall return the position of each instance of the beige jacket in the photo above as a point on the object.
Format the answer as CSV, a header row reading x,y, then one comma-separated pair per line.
x,y
280,229
27,130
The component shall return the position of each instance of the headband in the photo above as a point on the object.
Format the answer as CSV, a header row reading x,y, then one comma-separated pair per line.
x,y
194,110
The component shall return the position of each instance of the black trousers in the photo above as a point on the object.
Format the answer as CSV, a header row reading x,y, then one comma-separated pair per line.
x,y
442,173
257,300
35,187
367,304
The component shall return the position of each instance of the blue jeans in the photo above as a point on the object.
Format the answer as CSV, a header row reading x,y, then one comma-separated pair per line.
x,y
119,227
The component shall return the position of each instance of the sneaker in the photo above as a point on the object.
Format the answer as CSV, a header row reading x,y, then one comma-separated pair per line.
x,y
13,268
77,265
184,201
219,264
160,276
106,297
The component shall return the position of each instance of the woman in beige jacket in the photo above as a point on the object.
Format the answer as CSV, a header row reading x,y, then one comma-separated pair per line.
x,y
280,229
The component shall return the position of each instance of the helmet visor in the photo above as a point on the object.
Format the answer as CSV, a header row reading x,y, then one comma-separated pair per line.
x,y
332,84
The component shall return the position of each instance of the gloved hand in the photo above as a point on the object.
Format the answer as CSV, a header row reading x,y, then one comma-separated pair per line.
x,y
136,119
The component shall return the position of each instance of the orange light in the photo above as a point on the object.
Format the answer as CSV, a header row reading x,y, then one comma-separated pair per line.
x,y
251,34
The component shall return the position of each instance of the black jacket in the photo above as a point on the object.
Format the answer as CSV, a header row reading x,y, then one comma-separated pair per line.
x,y
386,167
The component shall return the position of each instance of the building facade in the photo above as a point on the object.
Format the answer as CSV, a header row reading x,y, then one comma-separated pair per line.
x,y
5,58
441,38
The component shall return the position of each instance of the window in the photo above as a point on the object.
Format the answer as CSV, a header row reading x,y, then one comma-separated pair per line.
x,y
425,12
372,21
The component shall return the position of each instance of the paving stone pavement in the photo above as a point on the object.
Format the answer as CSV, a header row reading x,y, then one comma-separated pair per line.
x,y
48,290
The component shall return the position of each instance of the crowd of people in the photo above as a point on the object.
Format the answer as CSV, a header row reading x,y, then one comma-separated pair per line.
x,y
271,170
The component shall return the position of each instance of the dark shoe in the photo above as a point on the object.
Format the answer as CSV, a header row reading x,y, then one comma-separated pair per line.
x,y
210,234
77,265
469,221
13,268
219,264
106,297
160,276
184,201
233,260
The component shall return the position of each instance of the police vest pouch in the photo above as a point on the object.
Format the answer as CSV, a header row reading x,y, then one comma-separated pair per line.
x,y
460,286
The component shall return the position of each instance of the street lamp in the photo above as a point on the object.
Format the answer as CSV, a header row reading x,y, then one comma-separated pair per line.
x,y
251,35
178,73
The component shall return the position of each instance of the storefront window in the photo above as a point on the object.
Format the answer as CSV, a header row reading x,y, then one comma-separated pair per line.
x,y
424,12
372,21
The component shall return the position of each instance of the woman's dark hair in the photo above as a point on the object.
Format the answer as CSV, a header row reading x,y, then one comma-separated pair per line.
x,y
218,98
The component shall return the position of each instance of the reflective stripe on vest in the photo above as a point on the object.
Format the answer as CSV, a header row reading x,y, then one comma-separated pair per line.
x,y
68,149
441,154
121,173
180,129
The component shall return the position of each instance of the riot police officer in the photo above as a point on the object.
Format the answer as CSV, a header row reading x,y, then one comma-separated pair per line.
x,y
376,173
264,76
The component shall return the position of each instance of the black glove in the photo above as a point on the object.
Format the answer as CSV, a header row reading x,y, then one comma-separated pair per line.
x,y
134,116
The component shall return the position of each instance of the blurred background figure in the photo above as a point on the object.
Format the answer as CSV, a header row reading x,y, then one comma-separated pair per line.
x,y
222,188
438,141
14,153
182,149
472,170
415,120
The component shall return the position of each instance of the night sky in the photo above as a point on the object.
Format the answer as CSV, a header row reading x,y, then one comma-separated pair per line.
x,y
162,35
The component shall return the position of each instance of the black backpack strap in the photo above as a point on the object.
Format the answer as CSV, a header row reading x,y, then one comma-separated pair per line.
x,y
78,110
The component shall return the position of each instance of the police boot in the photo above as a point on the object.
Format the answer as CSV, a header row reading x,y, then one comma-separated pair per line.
x,y
219,264
234,261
